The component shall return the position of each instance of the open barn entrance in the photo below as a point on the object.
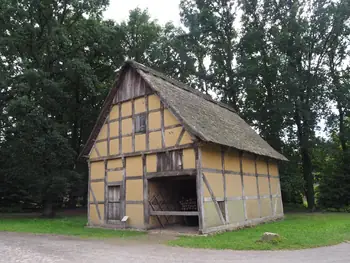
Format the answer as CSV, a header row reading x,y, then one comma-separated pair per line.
x,y
173,203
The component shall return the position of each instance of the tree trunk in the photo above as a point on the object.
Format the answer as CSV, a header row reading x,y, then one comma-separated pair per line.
x,y
48,210
308,178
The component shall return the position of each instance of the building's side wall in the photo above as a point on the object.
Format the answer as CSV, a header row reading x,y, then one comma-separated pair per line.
x,y
239,188
120,156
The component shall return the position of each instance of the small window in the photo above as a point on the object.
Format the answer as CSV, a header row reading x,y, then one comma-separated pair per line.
x,y
140,123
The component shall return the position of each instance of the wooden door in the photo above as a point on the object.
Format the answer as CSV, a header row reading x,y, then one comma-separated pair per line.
x,y
113,212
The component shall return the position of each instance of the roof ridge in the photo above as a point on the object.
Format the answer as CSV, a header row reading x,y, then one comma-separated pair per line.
x,y
178,84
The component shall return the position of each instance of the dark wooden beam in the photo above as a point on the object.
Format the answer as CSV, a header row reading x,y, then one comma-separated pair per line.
x,y
120,128
134,177
224,181
199,188
174,213
117,156
133,124
145,193
147,122
180,136
162,124
242,182
257,185
189,172
97,180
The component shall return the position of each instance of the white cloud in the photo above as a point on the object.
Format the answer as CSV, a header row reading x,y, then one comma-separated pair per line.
x,y
162,10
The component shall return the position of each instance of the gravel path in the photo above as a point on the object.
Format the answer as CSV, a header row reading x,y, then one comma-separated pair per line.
x,y
26,248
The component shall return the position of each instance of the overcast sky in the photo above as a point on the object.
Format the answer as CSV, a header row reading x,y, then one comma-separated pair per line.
x,y
162,10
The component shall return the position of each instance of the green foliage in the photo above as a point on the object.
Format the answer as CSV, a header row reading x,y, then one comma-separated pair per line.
x,y
297,231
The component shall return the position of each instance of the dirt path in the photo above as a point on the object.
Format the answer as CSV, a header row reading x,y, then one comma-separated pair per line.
x,y
51,249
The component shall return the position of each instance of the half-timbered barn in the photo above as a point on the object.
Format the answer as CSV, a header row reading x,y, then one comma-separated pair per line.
x,y
163,154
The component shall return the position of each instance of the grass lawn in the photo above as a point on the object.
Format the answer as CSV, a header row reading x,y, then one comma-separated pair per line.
x,y
72,226
297,231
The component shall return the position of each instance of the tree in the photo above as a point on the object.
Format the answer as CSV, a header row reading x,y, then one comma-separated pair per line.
x,y
51,53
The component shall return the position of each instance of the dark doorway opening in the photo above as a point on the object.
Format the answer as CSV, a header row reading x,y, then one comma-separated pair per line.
x,y
173,203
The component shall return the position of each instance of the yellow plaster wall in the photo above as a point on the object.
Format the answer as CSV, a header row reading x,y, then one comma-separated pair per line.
x,y
114,147
236,211
169,118
94,216
102,148
103,133
186,138
215,181
135,213
140,142
114,128
134,190
154,120
151,163
153,102
93,153
211,217
189,159
211,157
97,170
264,186
99,191
127,144
233,185
171,136
232,161
126,109
261,166
252,209
114,113
134,166
248,164
115,176
155,140
265,207
250,186
274,185
115,163
126,126
273,168
140,105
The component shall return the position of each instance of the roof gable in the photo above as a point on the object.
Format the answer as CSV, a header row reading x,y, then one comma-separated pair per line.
x,y
202,116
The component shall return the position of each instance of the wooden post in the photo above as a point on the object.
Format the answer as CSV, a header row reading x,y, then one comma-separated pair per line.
x,y
199,189
269,178
162,124
242,181
145,193
147,122
106,193
133,124
120,128
123,206
257,185
108,136
88,194
224,182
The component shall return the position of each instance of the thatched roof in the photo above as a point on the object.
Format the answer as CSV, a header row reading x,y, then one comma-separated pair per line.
x,y
209,120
